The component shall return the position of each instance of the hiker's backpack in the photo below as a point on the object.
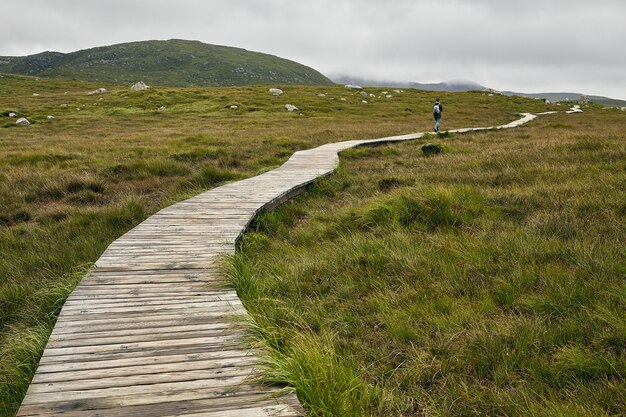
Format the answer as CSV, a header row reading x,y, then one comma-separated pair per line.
x,y
436,109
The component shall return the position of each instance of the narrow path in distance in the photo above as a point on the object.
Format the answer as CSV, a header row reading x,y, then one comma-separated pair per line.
x,y
150,331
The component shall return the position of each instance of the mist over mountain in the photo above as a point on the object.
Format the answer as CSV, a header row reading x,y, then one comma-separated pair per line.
x,y
173,62
466,85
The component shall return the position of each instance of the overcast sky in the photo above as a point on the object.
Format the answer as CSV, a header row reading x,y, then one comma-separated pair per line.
x,y
522,45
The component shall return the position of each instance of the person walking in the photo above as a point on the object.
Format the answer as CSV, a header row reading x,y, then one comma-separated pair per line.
x,y
437,110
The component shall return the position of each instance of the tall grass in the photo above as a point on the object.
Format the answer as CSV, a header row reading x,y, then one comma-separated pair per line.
x,y
487,280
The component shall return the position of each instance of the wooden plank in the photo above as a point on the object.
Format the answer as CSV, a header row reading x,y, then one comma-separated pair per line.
x,y
103,364
130,381
143,369
176,403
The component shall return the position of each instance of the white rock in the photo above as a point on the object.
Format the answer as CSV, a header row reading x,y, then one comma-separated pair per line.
x,y
12,114
353,87
35,95
140,86
321,95
384,93
276,91
490,94
291,107
50,117
22,122
97,91
342,99
233,107
364,101
63,106
397,91
363,93
388,96
372,95
162,108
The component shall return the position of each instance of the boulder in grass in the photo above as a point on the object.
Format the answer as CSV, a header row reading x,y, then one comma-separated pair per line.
x,y
276,91
140,86
353,87
431,149
97,91
290,107
162,108
50,117
22,121
233,107
12,114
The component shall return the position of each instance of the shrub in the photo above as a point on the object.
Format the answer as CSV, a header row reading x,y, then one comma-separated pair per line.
x,y
429,149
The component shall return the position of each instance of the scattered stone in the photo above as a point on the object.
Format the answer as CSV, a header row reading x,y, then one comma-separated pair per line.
x,y
233,107
162,108
353,87
140,86
342,99
490,94
388,96
431,149
548,101
372,95
321,95
12,114
623,108
364,101
276,91
35,95
22,121
291,107
50,117
363,93
97,91
583,100
384,93
397,91
63,106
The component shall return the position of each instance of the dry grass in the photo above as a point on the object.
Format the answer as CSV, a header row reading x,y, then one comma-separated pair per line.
x,y
71,185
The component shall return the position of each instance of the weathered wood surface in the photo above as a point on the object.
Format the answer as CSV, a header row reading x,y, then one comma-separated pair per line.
x,y
151,330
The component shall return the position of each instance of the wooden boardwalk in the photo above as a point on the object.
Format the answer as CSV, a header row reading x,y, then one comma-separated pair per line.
x,y
150,331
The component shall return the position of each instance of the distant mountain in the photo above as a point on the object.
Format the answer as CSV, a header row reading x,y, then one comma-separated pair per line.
x,y
556,97
463,85
169,63
451,86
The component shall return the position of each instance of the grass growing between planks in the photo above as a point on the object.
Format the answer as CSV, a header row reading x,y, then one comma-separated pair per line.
x,y
486,280
71,185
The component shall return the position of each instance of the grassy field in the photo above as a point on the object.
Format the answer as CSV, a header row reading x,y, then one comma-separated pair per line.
x,y
71,185
486,280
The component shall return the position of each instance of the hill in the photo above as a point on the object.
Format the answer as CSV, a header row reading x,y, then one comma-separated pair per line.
x,y
173,62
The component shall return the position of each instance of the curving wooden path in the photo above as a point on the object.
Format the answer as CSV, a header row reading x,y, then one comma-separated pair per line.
x,y
150,331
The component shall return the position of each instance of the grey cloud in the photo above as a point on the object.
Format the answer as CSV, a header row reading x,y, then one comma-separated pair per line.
x,y
558,44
